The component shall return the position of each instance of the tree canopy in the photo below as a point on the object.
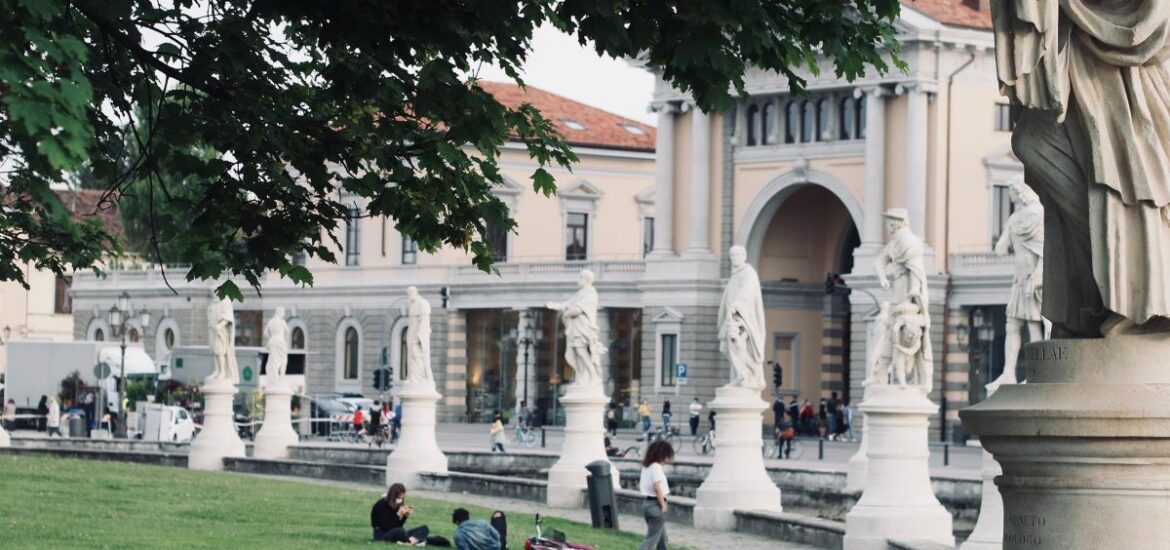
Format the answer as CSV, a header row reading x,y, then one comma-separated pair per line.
x,y
254,124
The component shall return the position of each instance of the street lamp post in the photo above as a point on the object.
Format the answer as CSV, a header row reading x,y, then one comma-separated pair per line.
x,y
527,337
119,319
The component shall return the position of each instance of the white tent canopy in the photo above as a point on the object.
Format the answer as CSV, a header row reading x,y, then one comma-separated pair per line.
x,y
137,361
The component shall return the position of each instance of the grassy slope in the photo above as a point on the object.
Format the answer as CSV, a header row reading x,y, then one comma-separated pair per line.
x,y
60,503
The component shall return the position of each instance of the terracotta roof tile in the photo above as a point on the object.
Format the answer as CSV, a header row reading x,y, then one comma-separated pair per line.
x,y
594,127
86,204
959,13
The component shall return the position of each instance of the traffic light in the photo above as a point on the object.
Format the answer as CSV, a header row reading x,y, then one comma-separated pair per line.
x,y
832,281
445,294
777,375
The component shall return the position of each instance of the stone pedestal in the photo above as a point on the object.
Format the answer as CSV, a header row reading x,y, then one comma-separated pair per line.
x,y
218,439
1084,445
859,462
417,450
988,532
275,436
898,502
5,441
584,443
737,480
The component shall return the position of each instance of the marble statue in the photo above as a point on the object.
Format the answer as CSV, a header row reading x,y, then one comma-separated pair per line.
x,y
741,323
221,326
1091,81
579,314
276,336
1023,238
418,338
903,345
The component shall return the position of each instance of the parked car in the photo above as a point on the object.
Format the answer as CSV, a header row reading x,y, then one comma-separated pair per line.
x,y
339,413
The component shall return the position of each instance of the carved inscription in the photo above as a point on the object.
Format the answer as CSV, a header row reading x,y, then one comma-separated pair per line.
x,y
1045,353
1024,522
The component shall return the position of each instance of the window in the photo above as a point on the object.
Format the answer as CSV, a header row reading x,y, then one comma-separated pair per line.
x,y
297,341
409,251
647,236
669,358
403,355
766,123
62,303
249,328
135,337
352,349
576,236
169,339
753,116
300,258
786,352
791,121
573,124
1001,210
823,131
497,238
1003,118
808,117
352,236
634,129
860,110
847,128
99,335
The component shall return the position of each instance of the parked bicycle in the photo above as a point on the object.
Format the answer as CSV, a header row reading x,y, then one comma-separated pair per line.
x,y
705,443
527,436
550,539
668,434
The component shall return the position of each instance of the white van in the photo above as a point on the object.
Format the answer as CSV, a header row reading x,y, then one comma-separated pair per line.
x,y
169,424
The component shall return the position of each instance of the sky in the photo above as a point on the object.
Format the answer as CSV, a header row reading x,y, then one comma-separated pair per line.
x,y
559,65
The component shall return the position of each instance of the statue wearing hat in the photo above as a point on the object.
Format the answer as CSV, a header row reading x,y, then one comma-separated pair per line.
x,y
903,328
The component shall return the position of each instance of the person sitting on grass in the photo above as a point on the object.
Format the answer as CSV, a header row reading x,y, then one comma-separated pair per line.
x,y
473,534
388,518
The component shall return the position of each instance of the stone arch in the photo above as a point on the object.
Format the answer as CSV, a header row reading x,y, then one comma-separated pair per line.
x,y
96,324
763,207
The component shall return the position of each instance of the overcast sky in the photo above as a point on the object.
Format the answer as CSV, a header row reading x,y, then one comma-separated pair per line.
x,y
559,65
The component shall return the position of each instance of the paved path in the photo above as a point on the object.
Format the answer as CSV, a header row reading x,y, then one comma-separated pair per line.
x,y
521,510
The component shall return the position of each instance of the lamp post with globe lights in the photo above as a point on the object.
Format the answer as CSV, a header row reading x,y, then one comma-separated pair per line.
x,y
119,317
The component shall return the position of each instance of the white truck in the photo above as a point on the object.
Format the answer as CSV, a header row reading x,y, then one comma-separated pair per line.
x,y
36,368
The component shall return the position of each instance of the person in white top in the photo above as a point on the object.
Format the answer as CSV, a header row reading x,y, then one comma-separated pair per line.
x,y
696,410
654,489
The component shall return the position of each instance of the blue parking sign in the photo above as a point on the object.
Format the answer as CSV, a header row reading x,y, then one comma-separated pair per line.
x,y
681,377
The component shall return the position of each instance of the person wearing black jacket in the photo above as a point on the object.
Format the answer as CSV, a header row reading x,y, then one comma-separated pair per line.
x,y
389,515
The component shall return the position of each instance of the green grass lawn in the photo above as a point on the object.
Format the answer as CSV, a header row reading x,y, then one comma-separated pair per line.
x,y
63,503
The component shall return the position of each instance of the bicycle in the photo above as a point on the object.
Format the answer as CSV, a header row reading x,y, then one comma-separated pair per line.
x,y
380,436
795,448
668,434
527,436
633,451
705,443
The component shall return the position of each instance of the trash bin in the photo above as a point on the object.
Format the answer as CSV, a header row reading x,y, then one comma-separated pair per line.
x,y
78,427
599,487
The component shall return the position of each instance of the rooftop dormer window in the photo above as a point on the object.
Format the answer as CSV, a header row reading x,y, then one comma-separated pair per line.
x,y
573,124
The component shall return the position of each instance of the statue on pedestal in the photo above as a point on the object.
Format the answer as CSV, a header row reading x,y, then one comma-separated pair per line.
x,y
418,338
903,327
221,338
1023,238
579,314
276,336
741,323
1091,82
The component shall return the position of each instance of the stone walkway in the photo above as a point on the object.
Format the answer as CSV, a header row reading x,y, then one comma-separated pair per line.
x,y
521,510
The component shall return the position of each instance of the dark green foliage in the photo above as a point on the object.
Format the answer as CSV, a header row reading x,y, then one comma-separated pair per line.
x,y
236,133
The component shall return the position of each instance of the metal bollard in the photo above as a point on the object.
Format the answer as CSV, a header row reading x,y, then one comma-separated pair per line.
x,y
946,454
820,449
542,438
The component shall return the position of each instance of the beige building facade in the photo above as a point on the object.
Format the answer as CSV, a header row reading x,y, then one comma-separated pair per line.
x,y
800,181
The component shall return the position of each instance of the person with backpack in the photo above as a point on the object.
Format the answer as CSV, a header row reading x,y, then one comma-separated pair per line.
x,y
611,419
473,534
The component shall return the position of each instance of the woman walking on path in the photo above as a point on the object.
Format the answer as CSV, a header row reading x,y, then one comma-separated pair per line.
x,y
654,489
497,433
53,417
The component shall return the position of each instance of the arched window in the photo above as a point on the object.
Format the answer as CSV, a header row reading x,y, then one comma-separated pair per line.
x,y
134,335
808,117
753,116
791,121
860,111
823,107
297,340
766,123
169,338
352,350
847,130
99,335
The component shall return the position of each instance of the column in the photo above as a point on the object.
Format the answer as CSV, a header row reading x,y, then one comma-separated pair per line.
x,y
875,166
523,381
664,182
916,160
699,223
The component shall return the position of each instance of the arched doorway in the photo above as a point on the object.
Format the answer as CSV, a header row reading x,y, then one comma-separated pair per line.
x,y
802,231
